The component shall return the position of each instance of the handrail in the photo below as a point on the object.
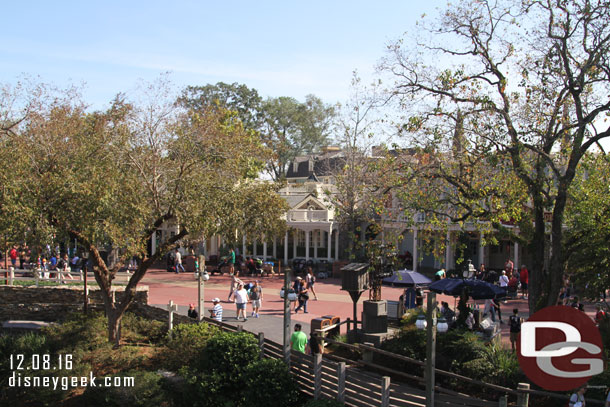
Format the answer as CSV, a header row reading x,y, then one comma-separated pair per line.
x,y
494,387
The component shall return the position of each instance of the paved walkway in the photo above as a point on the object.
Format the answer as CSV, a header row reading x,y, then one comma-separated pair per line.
x,y
182,289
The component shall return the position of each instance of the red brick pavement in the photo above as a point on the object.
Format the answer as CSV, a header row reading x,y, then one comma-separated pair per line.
x,y
182,289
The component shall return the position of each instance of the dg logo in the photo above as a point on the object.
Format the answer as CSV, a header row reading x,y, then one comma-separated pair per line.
x,y
560,348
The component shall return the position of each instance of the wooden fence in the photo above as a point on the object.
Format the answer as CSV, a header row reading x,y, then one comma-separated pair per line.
x,y
321,376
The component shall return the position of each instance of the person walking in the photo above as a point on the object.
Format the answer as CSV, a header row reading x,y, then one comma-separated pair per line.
x,y
256,296
234,283
216,311
524,277
298,340
310,280
22,254
231,261
515,328
302,295
63,267
178,261
577,399
241,301
496,307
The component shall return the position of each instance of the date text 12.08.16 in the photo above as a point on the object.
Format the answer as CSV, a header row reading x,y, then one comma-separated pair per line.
x,y
41,362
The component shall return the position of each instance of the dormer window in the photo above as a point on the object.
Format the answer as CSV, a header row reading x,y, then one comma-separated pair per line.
x,y
295,167
311,162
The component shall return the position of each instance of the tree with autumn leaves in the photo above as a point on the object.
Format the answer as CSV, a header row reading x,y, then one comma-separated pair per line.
x,y
113,177
502,101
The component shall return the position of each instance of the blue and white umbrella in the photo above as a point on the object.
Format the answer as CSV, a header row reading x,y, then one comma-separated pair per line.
x,y
407,278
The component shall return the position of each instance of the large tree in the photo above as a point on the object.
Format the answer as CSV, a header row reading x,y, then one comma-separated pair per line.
x,y
588,226
288,127
527,84
114,177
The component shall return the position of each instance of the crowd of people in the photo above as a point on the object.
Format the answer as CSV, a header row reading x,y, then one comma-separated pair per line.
x,y
51,262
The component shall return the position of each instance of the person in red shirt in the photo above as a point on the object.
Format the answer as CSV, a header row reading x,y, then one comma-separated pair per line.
x,y
525,278
13,255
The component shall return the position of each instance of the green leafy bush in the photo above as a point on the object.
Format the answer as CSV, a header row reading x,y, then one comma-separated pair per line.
x,y
78,331
215,376
185,343
147,391
268,382
137,329
411,342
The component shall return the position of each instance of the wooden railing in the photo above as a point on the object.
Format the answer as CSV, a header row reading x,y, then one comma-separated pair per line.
x,y
333,377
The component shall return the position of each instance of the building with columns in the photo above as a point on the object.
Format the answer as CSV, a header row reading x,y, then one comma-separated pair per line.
x,y
313,232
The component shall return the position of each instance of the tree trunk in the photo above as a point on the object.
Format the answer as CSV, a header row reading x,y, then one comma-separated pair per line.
x,y
557,266
114,326
537,298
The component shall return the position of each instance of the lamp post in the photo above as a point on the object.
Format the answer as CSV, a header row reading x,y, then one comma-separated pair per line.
x,y
429,323
201,277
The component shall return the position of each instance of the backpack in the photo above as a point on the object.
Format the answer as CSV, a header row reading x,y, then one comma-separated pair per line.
x,y
515,323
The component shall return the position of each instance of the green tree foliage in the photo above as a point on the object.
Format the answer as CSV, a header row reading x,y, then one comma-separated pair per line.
x,y
588,226
292,128
236,97
112,178
504,99
286,126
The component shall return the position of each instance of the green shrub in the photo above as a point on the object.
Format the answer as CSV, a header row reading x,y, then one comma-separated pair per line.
x,y
78,331
411,342
215,376
147,391
32,344
268,382
137,329
409,317
185,343
456,347
323,403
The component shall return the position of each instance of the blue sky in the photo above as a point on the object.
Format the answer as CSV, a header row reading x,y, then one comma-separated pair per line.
x,y
280,48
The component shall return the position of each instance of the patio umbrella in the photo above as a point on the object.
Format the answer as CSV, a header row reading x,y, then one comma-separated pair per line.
x,y
407,278
477,289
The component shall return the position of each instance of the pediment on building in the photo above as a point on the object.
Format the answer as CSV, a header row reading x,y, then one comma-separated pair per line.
x,y
311,202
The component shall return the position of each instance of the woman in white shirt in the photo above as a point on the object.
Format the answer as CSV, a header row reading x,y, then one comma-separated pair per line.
x,y
504,280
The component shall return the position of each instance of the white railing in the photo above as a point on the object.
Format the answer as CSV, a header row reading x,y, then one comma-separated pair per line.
x,y
306,215
10,276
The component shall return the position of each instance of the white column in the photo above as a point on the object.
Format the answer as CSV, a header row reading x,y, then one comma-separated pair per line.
x,y
307,232
414,249
337,244
243,246
516,260
153,243
330,232
254,244
265,248
286,249
274,247
448,250
481,252
295,239
315,243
